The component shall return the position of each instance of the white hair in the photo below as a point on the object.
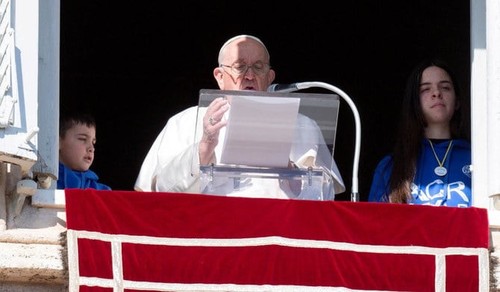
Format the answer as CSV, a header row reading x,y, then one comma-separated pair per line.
x,y
221,51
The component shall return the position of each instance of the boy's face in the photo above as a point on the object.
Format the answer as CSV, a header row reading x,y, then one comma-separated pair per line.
x,y
76,149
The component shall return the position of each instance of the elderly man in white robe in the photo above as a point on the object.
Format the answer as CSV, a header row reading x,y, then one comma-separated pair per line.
x,y
172,164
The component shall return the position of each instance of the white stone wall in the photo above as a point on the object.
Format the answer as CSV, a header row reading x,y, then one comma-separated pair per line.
x,y
32,250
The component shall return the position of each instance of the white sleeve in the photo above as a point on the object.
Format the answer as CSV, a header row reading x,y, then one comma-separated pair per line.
x,y
144,181
169,164
178,174
310,149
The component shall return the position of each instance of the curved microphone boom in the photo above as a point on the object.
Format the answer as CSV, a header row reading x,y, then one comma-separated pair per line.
x,y
288,87
304,85
282,87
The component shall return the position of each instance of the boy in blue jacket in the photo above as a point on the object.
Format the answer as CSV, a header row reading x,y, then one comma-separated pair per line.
x,y
77,138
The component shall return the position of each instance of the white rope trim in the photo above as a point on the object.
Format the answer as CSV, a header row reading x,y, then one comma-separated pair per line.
x,y
279,240
119,284
88,281
74,272
440,276
116,252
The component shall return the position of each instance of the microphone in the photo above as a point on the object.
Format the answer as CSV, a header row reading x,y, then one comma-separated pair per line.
x,y
357,120
282,87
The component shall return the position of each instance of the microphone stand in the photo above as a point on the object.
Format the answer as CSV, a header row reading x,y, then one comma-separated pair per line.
x,y
357,146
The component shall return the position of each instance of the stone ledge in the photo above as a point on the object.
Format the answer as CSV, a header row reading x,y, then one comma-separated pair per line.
x,y
32,263
27,287
49,199
32,249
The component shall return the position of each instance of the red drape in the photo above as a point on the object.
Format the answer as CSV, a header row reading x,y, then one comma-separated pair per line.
x,y
140,241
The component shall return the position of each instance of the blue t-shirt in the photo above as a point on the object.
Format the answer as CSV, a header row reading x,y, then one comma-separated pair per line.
x,y
453,189
71,179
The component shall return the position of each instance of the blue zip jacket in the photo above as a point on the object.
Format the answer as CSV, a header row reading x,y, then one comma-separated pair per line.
x,y
71,179
428,188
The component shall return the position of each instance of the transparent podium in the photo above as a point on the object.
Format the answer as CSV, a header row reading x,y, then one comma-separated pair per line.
x,y
274,145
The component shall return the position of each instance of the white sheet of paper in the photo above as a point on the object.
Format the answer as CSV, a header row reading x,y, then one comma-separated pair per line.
x,y
260,131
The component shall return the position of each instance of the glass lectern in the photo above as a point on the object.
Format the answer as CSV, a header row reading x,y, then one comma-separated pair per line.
x,y
275,145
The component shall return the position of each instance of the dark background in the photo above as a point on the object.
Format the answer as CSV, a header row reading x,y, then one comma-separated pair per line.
x,y
133,64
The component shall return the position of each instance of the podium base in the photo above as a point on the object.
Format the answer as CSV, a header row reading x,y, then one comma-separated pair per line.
x,y
284,183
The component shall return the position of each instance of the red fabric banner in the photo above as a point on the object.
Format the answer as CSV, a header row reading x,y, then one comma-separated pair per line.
x,y
140,241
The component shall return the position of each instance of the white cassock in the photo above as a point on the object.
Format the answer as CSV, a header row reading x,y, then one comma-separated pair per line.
x,y
171,164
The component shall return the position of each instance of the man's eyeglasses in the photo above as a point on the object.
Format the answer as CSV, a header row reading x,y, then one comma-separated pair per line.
x,y
239,69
